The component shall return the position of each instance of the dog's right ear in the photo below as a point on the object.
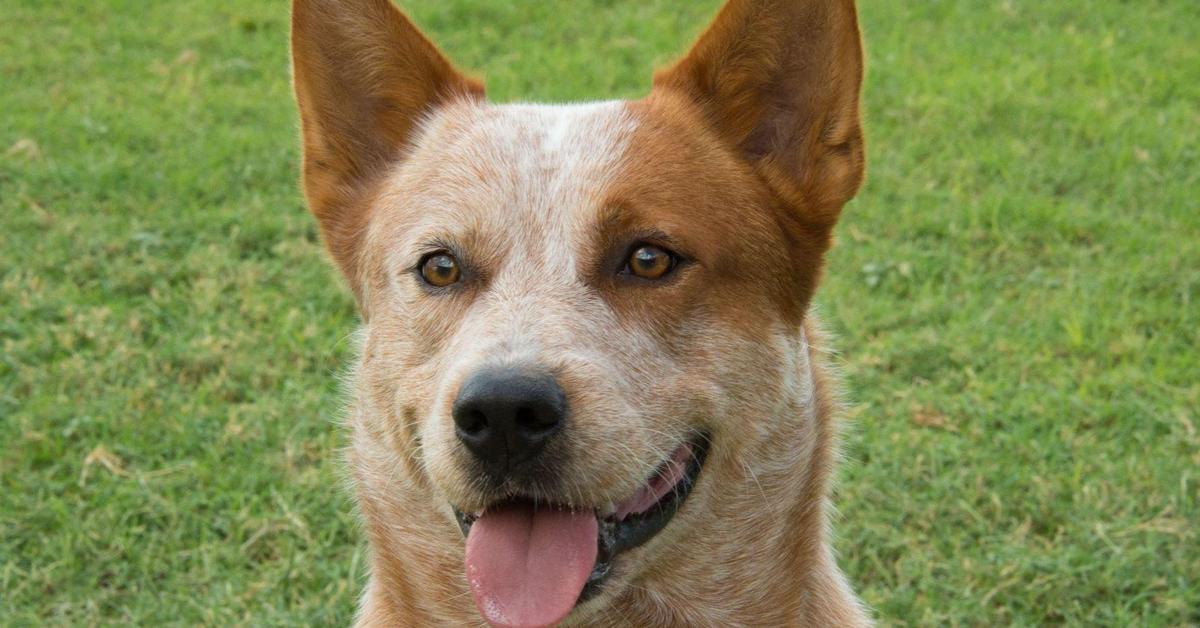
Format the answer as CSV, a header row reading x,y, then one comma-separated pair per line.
x,y
779,80
364,78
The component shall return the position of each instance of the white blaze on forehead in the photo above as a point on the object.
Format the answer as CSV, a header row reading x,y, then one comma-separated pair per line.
x,y
564,160
516,174
519,187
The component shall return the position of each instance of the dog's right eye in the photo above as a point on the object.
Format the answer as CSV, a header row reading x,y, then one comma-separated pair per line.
x,y
650,262
440,269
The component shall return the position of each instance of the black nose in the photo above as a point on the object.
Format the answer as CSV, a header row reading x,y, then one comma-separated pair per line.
x,y
506,416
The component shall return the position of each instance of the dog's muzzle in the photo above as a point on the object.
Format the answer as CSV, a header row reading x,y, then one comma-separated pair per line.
x,y
531,563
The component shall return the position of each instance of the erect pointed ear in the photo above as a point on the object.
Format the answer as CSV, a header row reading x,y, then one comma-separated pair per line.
x,y
364,77
779,80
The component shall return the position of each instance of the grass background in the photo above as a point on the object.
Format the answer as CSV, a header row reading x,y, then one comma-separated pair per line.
x,y
1015,291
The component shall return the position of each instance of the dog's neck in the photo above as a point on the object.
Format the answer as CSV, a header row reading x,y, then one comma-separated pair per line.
x,y
764,558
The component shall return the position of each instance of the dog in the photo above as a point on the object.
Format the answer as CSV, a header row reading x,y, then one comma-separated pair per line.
x,y
589,390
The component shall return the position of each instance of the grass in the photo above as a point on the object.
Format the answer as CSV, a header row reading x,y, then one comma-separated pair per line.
x,y
1015,292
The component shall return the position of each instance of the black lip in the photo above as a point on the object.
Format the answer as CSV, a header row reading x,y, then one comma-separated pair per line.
x,y
618,536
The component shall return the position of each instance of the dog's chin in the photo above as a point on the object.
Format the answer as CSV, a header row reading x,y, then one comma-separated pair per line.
x,y
619,527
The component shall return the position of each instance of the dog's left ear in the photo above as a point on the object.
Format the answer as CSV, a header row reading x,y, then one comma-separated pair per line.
x,y
779,80
364,78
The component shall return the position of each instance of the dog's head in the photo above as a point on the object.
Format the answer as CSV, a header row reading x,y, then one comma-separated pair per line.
x,y
573,312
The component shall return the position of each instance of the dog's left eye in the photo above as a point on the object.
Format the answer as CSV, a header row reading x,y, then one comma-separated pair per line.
x,y
440,269
650,262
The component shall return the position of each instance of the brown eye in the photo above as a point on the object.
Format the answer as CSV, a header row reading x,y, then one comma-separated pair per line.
x,y
650,262
440,270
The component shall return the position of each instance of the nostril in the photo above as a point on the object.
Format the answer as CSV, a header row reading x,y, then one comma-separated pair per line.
x,y
472,422
530,421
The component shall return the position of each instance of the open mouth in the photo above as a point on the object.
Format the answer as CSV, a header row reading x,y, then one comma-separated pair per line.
x,y
530,564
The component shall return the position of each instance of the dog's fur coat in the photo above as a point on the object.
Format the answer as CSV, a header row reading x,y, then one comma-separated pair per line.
x,y
741,157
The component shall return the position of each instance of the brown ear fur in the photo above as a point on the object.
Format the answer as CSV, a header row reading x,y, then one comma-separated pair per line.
x,y
779,80
364,77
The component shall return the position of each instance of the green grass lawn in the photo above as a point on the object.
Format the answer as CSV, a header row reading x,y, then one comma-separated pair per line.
x,y
1016,293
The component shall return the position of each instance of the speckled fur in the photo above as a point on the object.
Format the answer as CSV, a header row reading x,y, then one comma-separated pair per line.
x,y
538,201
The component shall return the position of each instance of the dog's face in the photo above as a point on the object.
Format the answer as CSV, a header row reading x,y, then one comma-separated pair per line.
x,y
573,254
577,316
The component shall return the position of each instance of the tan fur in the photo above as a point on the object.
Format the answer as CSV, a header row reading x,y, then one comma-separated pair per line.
x,y
742,156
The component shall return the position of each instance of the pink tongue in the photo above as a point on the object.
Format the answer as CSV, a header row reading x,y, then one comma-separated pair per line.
x,y
527,568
